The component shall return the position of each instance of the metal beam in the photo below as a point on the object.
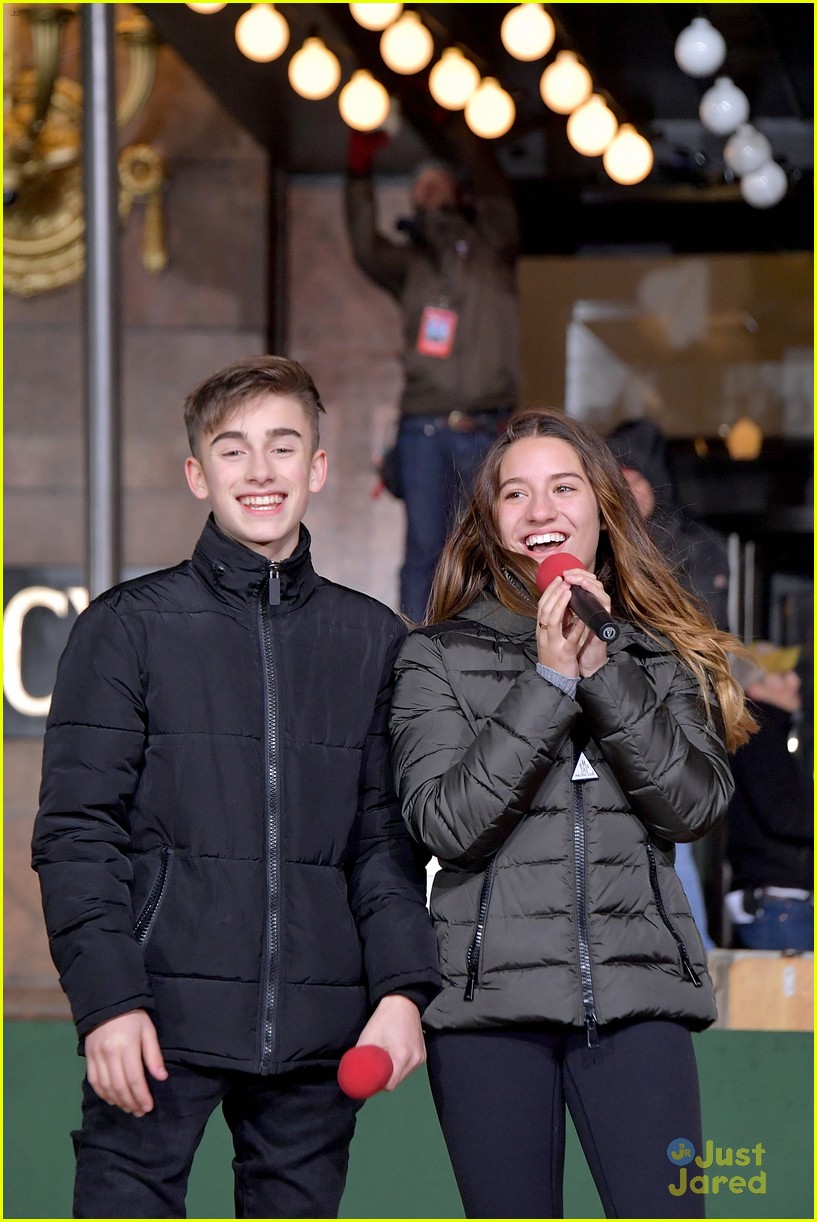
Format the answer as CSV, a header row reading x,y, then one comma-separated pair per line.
x,y
102,298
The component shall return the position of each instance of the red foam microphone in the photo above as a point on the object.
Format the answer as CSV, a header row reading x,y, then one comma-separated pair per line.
x,y
584,605
364,1070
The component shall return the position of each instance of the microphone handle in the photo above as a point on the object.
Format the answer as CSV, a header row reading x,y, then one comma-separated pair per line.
x,y
591,612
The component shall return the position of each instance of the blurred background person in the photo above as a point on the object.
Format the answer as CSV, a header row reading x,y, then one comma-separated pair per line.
x,y
770,830
697,555
455,282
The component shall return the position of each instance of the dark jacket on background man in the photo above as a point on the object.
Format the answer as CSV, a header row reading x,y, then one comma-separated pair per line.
x,y
697,553
463,260
213,843
556,900
770,822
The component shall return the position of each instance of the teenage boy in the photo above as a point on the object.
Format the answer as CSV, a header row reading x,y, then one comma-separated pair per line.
x,y
230,894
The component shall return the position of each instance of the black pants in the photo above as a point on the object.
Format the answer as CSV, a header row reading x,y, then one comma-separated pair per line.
x,y
501,1095
291,1136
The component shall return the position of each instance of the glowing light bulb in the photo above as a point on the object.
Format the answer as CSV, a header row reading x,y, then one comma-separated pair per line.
x,y
206,8
314,72
527,32
591,127
375,16
363,102
453,79
629,157
262,33
407,46
490,111
565,83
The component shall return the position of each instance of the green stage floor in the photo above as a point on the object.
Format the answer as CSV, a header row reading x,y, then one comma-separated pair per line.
x,y
756,1089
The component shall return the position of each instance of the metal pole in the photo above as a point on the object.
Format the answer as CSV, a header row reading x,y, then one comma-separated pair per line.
x,y
102,318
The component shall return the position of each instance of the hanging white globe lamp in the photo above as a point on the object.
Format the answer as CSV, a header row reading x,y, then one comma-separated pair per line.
x,y
363,102
746,150
591,127
629,157
527,32
700,49
765,187
453,79
565,83
490,111
314,72
207,8
262,33
723,107
375,16
406,46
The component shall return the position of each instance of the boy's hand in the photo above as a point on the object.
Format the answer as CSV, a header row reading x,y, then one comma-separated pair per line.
x,y
395,1026
117,1053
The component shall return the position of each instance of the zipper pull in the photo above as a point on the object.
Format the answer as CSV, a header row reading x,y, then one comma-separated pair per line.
x,y
471,984
690,970
592,1034
274,585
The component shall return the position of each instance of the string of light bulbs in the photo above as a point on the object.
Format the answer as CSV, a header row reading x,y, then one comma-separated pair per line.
x,y
407,47
700,50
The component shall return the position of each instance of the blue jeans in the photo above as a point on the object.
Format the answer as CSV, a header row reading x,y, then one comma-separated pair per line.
x,y
687,870
779,924
291,1135
437,467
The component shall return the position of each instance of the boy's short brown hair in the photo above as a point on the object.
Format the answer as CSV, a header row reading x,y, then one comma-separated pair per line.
x,y
206,407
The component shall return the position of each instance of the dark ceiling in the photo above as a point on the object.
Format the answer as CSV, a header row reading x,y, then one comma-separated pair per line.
x,y
566,201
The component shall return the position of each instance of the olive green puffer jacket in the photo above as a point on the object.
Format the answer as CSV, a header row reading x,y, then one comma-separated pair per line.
x,y
557,899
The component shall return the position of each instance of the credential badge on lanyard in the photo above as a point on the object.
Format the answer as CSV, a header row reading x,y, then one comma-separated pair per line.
x,y
438,326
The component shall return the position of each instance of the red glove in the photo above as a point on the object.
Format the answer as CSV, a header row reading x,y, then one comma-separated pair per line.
x,y
362,148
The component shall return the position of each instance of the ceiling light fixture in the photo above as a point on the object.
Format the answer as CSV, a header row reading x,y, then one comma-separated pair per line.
x,y
453,79
591,127
207,8
375,16
490,111
700,49
765,187
629,158
262,33
746,150
314,72
363,102
527,32
407,46
565,83
723,107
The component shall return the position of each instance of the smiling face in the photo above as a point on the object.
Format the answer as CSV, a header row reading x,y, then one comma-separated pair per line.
x,y
545,502
258,471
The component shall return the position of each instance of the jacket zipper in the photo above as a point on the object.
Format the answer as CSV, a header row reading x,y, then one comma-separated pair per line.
x,y
580,864
475,949
148,914
273,588
662,912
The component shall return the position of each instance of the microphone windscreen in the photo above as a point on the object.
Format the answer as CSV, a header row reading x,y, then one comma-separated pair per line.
x,y
553,566
364,1070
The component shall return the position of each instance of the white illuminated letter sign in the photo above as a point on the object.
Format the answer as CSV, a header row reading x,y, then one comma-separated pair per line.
x,y
17,609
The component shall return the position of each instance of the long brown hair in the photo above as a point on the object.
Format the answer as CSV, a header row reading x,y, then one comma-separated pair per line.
x,y
641,586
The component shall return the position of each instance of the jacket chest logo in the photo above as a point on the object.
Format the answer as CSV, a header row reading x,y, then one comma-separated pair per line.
x,y
584,770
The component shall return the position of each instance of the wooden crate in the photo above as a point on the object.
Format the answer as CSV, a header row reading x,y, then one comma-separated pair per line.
x,y
763,990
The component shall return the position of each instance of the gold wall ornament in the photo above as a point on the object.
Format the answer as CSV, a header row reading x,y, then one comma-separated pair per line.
x,y
43,212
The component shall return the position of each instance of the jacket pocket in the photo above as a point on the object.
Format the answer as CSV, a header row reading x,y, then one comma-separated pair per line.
x,y
144,922
475,949
662,912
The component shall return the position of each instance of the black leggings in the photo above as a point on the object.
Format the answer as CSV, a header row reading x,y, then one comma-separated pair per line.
x,y
501,1093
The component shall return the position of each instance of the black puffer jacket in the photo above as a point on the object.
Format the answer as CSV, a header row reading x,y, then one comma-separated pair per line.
x,y
557,899
213,842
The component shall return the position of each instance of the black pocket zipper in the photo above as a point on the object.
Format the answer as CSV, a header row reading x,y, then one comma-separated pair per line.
x,y
146,917
662,912
475,949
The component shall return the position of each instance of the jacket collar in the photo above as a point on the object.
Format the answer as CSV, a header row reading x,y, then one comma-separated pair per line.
x,y
237,574
488,610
